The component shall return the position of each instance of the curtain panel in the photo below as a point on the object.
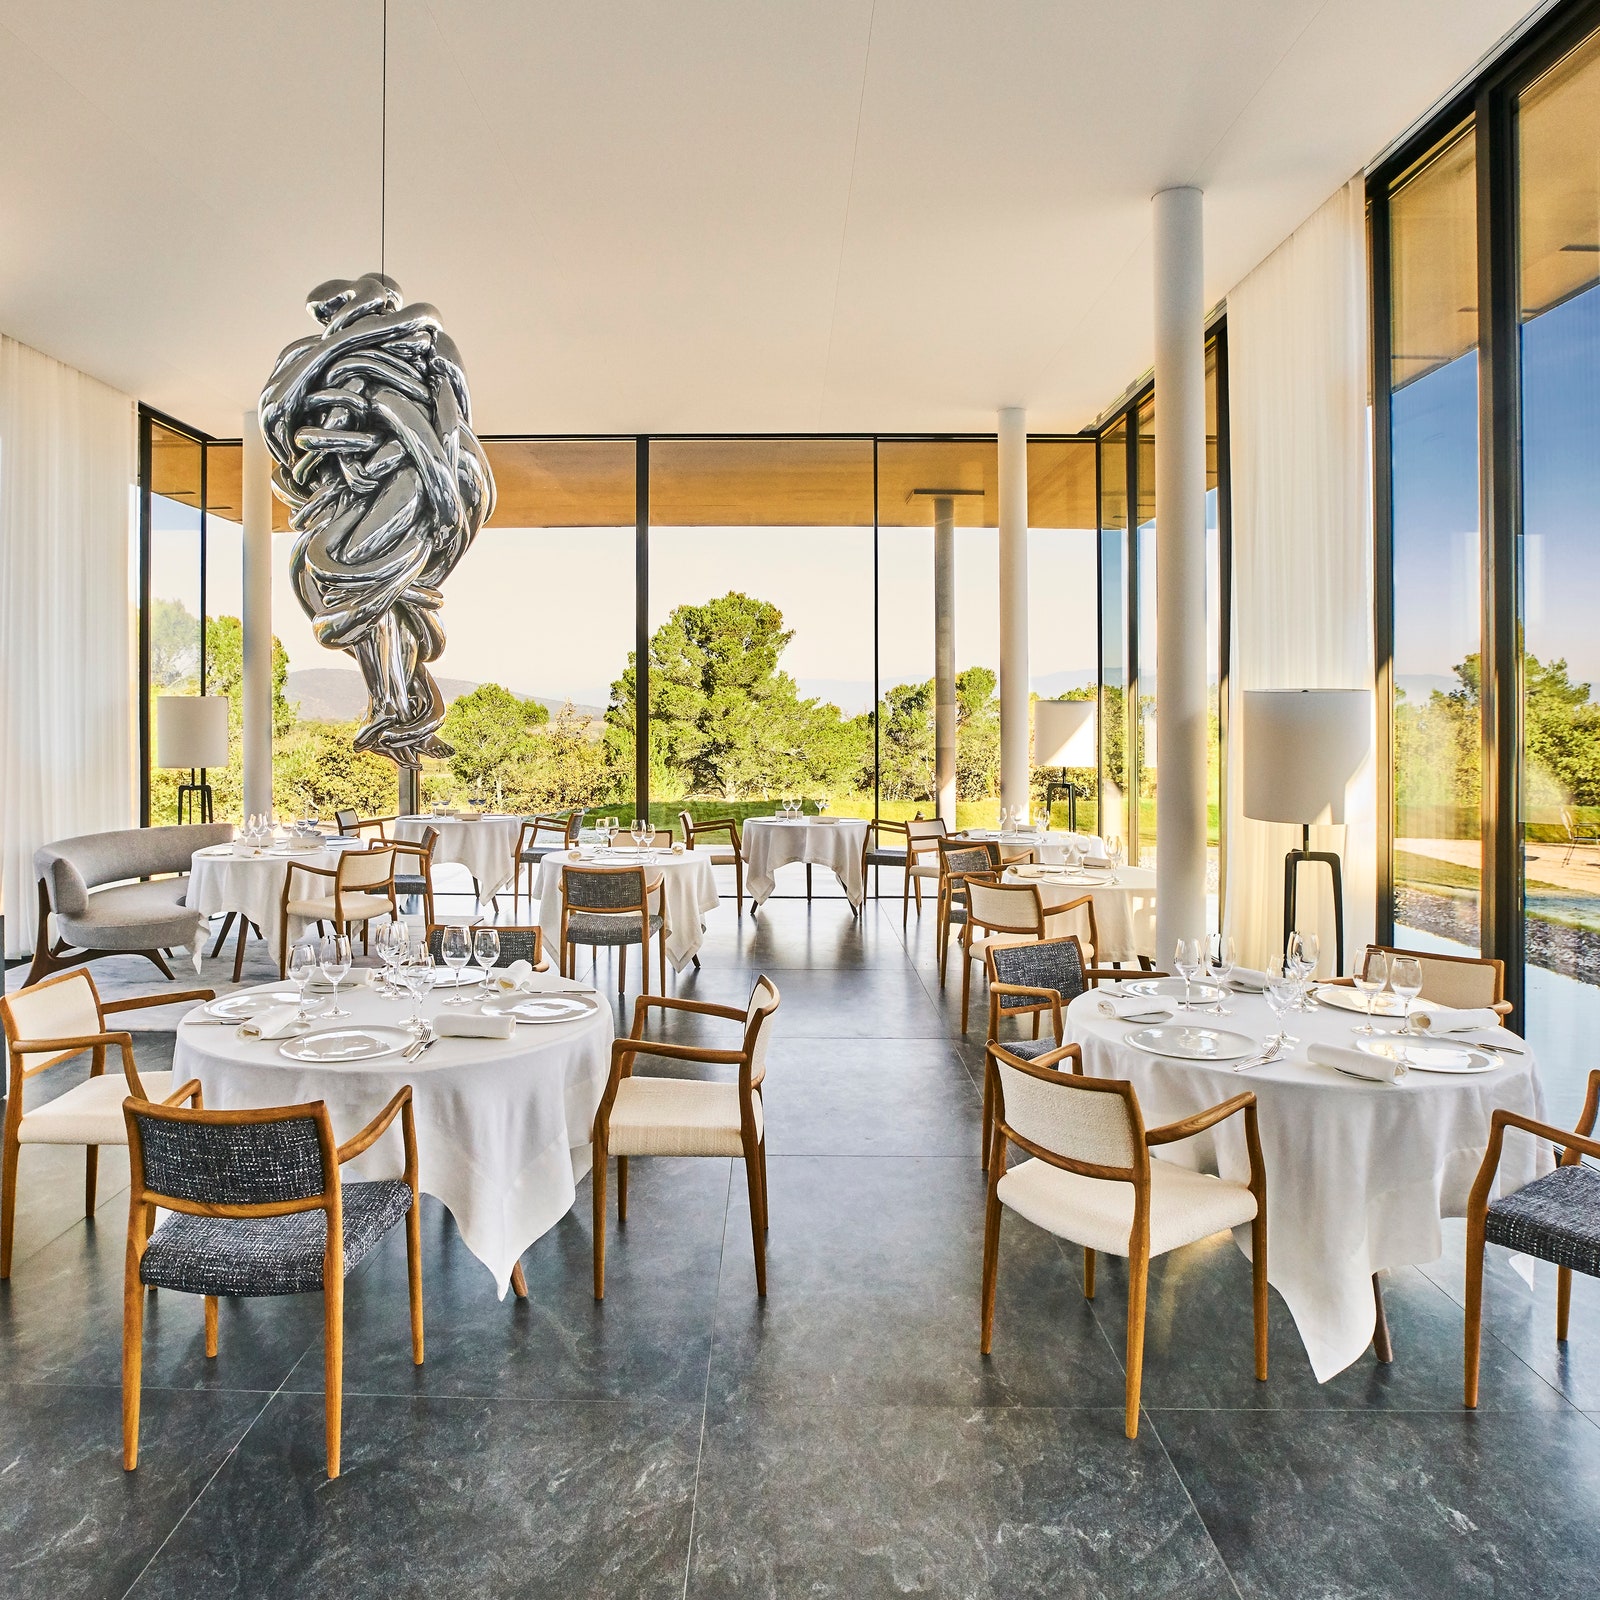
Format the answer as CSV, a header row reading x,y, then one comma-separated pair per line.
x,y
1302,551
67,708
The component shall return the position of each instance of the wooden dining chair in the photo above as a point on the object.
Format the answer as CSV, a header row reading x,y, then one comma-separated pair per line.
x,y
997,914
959,859
46,1024
611,906
1461,982
362,887
922,862
518,942
258,1209
1075,918
530,850
418,884
876,853
1555,1218
662,1116
1090,1179
729,855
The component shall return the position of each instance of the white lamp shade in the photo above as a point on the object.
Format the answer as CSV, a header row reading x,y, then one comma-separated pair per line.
x,y
1063,733
192,730
1301,748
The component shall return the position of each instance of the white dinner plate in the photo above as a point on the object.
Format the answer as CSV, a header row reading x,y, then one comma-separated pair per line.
x,y
1383,1005
551,1007
1451,1058
334,1045
242,1007
1194,1044
1201,994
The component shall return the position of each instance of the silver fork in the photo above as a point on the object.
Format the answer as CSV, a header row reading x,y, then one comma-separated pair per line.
x,y
1269,1053
411,1052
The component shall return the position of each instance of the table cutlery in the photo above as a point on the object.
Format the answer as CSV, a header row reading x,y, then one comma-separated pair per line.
x,y
413,1051
1268,1053
1498,1049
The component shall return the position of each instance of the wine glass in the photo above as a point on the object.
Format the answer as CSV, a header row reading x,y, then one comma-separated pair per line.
x,y
416,977
1370,978
335,961
1281,986
302,964
822,804
486,947
1186,963
1304,948
456,950
610,827
1224,957
1114,854
1405,979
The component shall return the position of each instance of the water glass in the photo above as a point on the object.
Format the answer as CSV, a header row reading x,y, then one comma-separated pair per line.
x,y
416,977
486,947
456,949
1282,985
1405,979
335,961
1370,977
302,964
1186,963
1304,949
1223,958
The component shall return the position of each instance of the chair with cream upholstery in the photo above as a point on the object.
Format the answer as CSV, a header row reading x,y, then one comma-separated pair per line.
x,y
52,1022
960,859
1090,1179
729,855
658,1116
922,861
1465,983
997,914
362,888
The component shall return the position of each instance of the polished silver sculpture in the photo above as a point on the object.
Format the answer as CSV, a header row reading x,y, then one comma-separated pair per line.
x,y
370,426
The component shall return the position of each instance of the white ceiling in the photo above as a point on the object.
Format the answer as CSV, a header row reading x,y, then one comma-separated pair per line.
x,y
688,215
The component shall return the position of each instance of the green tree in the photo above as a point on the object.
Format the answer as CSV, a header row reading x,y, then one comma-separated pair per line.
x,y
492,731
174,645
977,734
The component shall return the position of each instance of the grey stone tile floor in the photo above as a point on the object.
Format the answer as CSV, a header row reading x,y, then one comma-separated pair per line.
x,y
841,1439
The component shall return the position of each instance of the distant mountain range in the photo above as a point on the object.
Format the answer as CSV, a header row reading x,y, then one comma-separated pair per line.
x,y
339,694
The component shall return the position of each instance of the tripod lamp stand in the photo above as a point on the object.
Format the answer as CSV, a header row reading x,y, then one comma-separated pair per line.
x,y
1063,736
192,732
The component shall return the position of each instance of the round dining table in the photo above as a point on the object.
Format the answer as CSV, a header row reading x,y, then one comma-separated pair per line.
x,y
1124,907
837,843
483,845
688,892
503,1125
1360,1174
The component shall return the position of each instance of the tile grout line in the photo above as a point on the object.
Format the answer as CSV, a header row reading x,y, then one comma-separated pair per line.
x,y
1166,1454
705,1396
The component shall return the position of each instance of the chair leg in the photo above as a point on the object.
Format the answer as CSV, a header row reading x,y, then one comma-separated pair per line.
x,y
758,1232
8,1186
738,886
1381,1345
1258,1276
1138,1285
238,949
1474,1309
91,1168
966,987
988,1111
622,1189
333,1366
211,1327
808,882
1088,1274
1563,1302
598,1185
766,1214
227,922
519,1281
414,1276
991,1263
160,963
622,965
132,1359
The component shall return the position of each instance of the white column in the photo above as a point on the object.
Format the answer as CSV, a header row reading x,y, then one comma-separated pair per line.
x,y
944,656
257,620
1180,372
1014,764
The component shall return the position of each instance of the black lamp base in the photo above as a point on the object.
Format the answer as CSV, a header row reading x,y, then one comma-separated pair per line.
x,y
194,796
1070,790
1291,879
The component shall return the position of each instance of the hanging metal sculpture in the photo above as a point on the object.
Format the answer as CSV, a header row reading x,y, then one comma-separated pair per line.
x,y
370,426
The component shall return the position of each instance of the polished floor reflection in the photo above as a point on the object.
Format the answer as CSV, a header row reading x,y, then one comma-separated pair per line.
x,y
843,1439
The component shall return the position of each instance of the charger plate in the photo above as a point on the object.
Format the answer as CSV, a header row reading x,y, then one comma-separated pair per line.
x,y
1458,1060
1194,1044
368,1042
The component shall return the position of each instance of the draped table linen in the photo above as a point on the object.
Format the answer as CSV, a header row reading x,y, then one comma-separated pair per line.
x,y
688,892
483,845
252,886
503,1126
1124,911
1360,1174
770,843
1049,848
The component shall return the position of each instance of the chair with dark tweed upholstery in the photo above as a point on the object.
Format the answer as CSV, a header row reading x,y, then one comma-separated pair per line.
x,y
530,849
258,1209
419,884
726,854
517,943
876,853
1556,1217
611,905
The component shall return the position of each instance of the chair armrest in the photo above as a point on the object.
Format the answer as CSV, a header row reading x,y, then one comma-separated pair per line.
x,y
375,1129
74,1041
1573,1144
1022,988
1113,974
186,997
717,825
1066,1052
301,866
1169,1132
668,1003
1501,1008
1591,1106
622,1049
189,1092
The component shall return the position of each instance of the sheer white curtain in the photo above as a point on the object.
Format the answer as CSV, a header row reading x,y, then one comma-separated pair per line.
x,y
67,472
1302,548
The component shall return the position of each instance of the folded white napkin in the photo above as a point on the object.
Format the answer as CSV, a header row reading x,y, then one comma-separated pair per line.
x,y
1246,980
1134,1008
473,1025
516,976
1379,1068
274,1023
1445,1020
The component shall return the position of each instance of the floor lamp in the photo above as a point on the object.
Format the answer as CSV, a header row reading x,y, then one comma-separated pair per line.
x,y
1301,749
1063,736
192,732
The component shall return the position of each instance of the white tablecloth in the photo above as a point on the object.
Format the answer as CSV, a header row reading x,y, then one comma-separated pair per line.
x,y
1359,1175
502,1125
1124,911
689,891
837,845
252,886
483,846
1050,848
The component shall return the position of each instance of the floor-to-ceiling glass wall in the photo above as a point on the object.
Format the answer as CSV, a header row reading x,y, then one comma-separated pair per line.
x,y
1558,215
1113,604
1142,711
1433,335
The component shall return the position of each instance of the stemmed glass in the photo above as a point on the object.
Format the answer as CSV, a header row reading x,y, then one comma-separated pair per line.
x,y
416,977
641,830
822,804
1405,979
1370,977
302,963
1302,960
1282,982
335,961
383,942
1223,957
456,949
1114,853
612,828
486,947
1186,963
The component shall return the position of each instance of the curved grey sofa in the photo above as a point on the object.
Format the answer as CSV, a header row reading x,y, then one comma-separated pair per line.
x,y
143,917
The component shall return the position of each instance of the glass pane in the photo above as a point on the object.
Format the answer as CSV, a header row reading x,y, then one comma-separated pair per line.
x,y
1061,609
1213,652
1142,818
176,601
1437,573
761,653
924,485
1113,811
1559,217
224,632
